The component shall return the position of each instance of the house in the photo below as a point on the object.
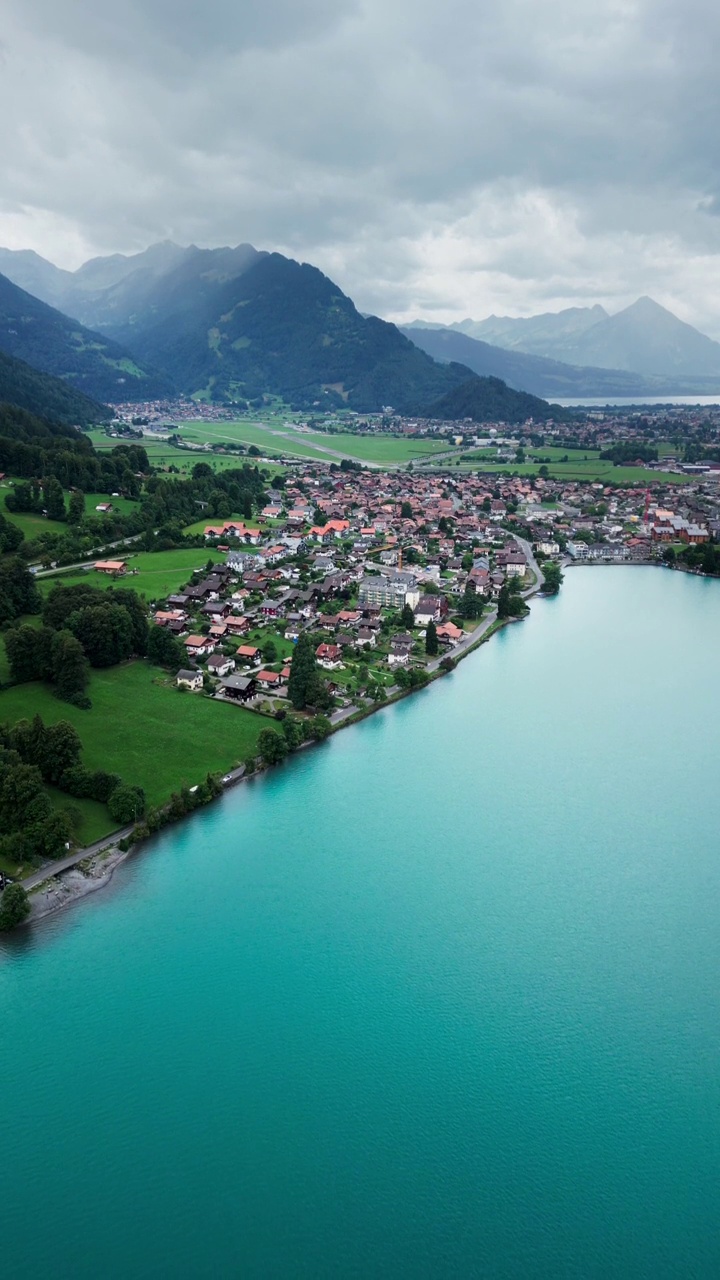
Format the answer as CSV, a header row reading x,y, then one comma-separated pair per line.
x,y
329,656
104,507
430,609
217,609
366,638
238,688
189,680
199,646
247,652
219,665
112,567
448,633
268,679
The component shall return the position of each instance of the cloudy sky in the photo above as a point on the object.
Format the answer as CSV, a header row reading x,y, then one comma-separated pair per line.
x,y
437,159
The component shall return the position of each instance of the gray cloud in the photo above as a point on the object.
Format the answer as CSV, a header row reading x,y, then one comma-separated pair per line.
x,y
445,159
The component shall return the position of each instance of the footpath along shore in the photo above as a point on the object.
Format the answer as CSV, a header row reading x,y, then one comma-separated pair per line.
x,y
60,884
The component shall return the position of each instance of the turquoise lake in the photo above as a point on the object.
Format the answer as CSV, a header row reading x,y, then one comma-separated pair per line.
x,y
440,998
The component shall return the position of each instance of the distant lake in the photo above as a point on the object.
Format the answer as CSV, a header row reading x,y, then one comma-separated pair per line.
x,y
623,402
438,999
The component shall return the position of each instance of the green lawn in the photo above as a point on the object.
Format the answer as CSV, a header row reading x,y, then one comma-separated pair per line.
x,y
160,573
94,819
276,436
142,728
590,471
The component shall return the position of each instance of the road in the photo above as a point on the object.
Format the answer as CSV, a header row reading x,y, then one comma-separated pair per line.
x,y
64,864
85,564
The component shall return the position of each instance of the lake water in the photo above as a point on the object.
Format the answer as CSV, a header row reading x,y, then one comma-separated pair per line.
x,y
440,998
624,402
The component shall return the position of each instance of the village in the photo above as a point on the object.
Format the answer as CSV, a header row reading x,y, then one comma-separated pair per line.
x,y
395,574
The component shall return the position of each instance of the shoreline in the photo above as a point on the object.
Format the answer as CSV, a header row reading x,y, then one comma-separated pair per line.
x,y
62,889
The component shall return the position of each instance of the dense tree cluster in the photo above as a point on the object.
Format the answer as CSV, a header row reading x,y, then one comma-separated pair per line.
x,y
629,451
14,907
305,686
110,625
18,590
40,653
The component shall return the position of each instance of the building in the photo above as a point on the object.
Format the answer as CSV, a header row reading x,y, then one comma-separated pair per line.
x,y
189,680
111,567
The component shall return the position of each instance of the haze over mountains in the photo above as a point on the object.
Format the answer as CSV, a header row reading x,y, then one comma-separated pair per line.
x,y
644,338
233,324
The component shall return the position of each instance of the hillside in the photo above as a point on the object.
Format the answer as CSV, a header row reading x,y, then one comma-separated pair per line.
x,y
43,337
284,328
45,396
550,378
490,400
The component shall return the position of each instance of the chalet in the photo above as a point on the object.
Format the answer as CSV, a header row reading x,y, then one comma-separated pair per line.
x,y
268,679
271,608
114,568
448,633
329,656
164,617
216,609
104,507
189,680
219,665
199,646
247,652
238,688
366,638
237,626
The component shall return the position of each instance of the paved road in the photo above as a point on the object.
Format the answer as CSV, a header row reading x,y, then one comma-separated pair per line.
x,y
64,864
39,572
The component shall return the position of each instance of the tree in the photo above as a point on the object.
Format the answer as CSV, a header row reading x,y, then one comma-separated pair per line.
x,y
70,668
406,511
76,507
14,907
54,500
272,747
407,617
28,653
164,649
305,685
553,578
126,804
471,604
431,639
105,633
320,728
60,750
269,652
510,602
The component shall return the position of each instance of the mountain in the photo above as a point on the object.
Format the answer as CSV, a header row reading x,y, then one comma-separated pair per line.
x,y
43,337
549,378
644,338
543,335
118,291
45,396
649,339
490,400
236,324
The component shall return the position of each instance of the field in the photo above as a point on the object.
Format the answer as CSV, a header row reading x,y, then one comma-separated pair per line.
x,y
141,727
276,436
159,573
586,466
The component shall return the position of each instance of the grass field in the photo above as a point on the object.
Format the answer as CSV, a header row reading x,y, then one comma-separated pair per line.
x,y
591,471
276,436
142,728
160,573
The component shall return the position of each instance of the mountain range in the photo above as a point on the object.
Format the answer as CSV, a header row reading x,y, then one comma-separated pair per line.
x,y
233,324
228,324
644,338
